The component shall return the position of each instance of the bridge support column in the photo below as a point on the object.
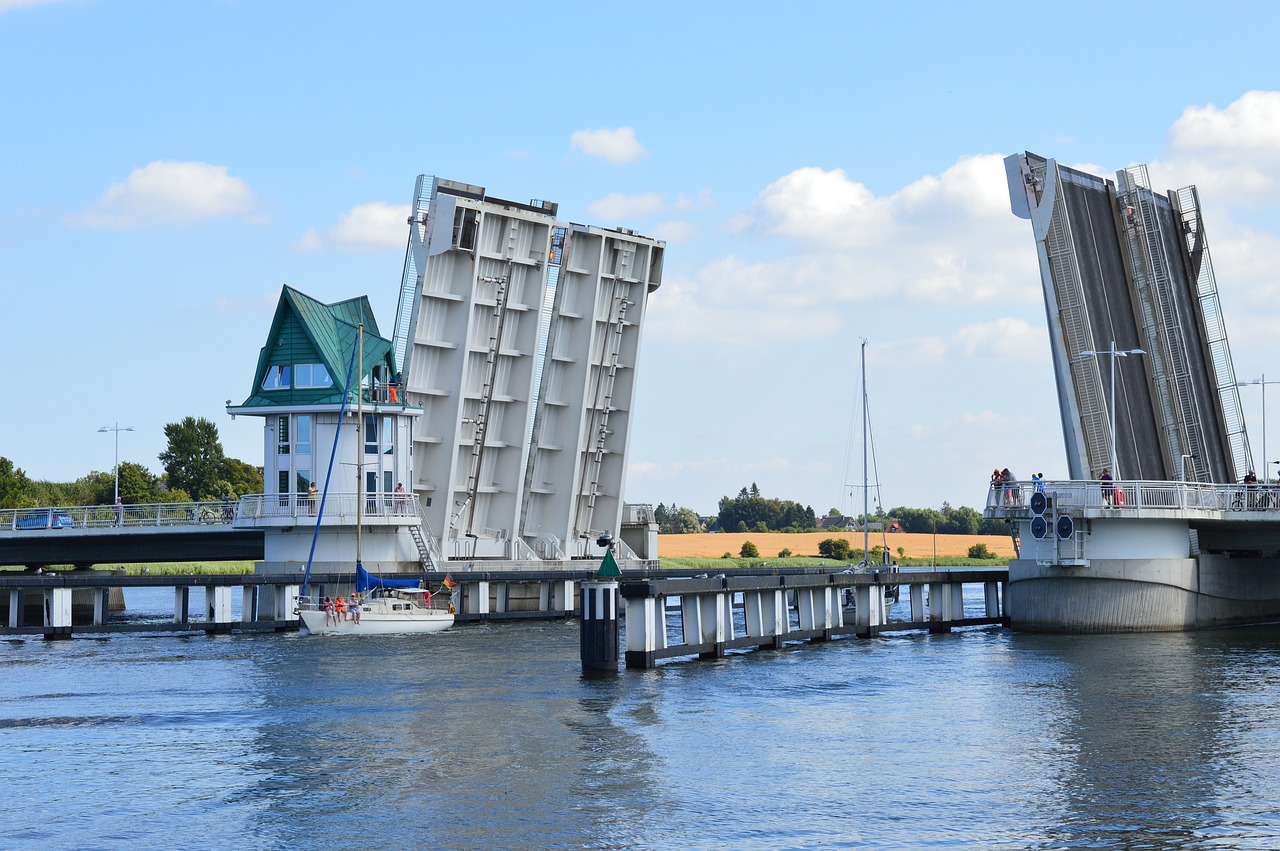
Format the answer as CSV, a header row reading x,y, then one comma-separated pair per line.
x,y
57,613
181,604
15,608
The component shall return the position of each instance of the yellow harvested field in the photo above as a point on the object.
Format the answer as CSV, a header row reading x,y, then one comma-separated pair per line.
x,y
806,544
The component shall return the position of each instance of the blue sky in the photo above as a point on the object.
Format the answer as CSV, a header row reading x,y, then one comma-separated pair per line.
x,y
822,173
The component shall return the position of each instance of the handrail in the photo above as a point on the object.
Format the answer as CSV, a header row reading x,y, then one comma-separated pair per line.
x,y
219,513
250,508
1134,498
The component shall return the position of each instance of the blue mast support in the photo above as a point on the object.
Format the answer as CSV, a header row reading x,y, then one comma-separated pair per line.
x,y
346,397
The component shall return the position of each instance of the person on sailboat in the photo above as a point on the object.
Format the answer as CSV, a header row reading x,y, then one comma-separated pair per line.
x,y
329,619
340,608
355,609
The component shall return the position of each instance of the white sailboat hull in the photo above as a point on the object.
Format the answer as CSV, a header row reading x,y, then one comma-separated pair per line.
x,y
380,617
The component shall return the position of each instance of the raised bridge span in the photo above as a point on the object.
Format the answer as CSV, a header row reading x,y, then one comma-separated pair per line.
x,y
1126,268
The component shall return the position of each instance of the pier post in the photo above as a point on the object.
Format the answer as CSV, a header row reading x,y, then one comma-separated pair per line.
x,y
15,608
476,597
598,634
766,615
101,601
917,603
562,596
217,607
248,604
286,602
57,613
870,609
813,610
646,619
992,590
181,604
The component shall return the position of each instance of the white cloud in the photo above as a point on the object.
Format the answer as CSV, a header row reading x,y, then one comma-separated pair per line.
x,y
617,207
10,5
1229,152
366,227
618,145
1005,337
168,193
941,242
674,231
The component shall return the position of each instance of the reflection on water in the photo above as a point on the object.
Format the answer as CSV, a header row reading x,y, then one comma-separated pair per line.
x,y
488,736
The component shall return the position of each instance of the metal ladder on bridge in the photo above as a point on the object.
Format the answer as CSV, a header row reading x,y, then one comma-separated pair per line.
x,y
1073,315
1167,350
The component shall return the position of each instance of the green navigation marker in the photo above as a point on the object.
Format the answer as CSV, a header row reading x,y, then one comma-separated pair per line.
x,y
608,567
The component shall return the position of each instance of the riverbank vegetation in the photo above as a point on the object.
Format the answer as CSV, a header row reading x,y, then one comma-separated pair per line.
x,y
195,469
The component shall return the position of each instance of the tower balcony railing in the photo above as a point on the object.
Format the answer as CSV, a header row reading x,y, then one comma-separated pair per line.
x,y
1013,500
338,509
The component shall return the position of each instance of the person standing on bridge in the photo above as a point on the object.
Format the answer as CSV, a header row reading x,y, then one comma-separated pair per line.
x,y
119,512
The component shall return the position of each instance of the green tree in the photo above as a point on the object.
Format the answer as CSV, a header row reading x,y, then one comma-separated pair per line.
x,y
749,550
674,520
194,460
835,548
16,490
242,477
980,551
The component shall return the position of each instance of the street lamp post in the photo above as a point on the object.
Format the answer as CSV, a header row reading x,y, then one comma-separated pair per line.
x,y
1114,353
117,428
1262,381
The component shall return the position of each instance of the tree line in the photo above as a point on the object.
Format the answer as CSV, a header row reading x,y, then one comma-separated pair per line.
x,y
750,511
195,470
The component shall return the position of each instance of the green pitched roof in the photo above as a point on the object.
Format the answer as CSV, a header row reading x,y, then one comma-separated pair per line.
x,y
306,331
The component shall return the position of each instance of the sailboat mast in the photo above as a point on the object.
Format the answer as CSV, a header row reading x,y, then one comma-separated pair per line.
x,y
866,486
359,434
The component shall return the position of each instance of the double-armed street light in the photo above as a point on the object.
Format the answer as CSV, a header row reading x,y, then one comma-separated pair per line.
x,y
1263,382
1114,353
117,428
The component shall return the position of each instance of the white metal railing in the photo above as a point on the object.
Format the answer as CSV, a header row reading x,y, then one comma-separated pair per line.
x,y
342,507
220,513
1013,500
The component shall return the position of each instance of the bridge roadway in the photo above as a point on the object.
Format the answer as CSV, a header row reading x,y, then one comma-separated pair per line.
x,y
142,533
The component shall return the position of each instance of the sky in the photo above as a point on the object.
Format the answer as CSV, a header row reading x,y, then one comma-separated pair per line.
x,y
822,174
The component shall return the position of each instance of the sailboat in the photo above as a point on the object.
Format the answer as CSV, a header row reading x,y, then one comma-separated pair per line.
x,y
887,565
380,606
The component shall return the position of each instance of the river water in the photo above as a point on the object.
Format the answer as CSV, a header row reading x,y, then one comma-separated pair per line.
x,y
488,736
